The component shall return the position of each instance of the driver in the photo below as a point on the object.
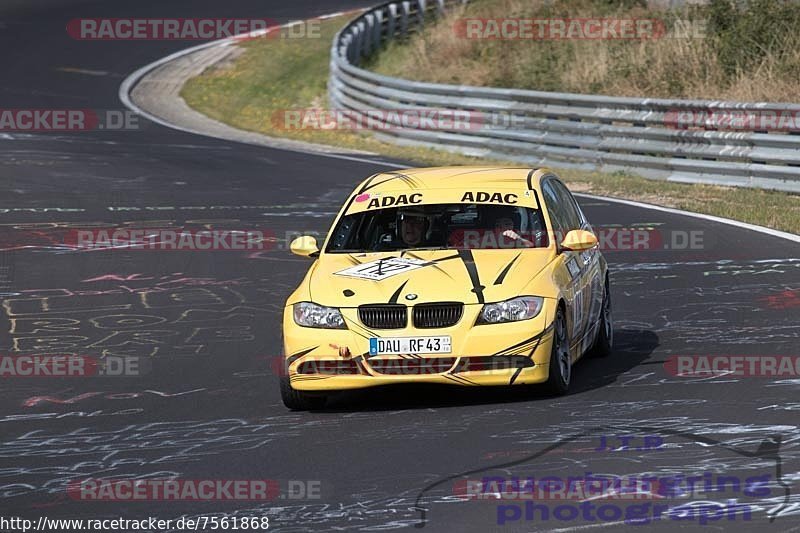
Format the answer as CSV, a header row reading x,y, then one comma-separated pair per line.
x,y
411,229
412,226
505,226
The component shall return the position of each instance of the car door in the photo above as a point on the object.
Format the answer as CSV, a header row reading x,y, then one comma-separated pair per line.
x,y
590,283
563,219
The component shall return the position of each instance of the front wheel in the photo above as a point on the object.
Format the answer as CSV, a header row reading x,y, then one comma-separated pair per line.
x,y
299,400
560,370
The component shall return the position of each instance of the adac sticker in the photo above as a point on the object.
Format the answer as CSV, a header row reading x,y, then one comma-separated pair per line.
x,y
383,268
490,197
394,201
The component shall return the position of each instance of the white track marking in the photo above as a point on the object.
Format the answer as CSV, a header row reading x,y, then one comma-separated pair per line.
x,y
130,82
752,227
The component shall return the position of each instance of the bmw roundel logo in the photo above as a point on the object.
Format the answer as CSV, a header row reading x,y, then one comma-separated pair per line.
x,y
411,296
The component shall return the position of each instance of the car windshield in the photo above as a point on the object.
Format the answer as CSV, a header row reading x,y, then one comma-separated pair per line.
x,y
439,226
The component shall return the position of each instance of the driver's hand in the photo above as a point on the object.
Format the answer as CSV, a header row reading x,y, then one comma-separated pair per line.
x,y
513,235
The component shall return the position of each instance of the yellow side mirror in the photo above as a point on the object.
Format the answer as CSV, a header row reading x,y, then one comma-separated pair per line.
x,y
578,239
305,246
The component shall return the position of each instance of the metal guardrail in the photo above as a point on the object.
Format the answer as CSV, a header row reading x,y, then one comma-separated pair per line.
x,y
557,129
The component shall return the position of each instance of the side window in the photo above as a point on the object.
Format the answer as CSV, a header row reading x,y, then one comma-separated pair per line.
x,y
569,206
555,209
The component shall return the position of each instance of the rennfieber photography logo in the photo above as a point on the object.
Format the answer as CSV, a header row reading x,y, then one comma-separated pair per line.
x,y
38,120
702,497
183,29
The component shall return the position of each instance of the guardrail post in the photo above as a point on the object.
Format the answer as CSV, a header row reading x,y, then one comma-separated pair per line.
x,y
378,30
421,12
391,22
369,21
405,14
354,50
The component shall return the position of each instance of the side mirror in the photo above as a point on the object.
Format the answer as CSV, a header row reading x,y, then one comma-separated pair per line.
x,y
305,246
578,240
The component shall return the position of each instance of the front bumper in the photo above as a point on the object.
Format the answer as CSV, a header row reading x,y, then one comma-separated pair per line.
x,y
484,355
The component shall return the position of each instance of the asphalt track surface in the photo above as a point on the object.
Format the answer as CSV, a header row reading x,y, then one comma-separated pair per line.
x,y
209,408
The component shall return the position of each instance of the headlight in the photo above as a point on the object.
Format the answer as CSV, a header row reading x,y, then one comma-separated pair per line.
x,y
317,316
521,308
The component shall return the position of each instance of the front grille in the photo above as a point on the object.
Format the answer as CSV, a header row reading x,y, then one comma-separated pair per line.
x,y
438,315
387,316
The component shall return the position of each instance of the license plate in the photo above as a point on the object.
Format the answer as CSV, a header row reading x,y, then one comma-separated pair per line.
x,y
409,345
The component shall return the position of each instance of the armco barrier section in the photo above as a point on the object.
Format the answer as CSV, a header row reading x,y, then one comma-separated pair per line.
x,y
584,131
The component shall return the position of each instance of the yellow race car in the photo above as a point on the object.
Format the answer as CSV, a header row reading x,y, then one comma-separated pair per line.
x,y
453,275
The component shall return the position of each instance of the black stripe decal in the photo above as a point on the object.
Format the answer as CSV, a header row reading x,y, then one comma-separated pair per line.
x,y
472,270
514,377
408,180
294,357
361,191
366,183
529,179
396,295
526,341
503,274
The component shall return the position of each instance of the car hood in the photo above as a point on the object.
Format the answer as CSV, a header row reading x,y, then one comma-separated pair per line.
x,y
420,276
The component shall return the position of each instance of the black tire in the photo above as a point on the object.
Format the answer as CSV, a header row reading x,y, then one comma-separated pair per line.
x,y
604,341
560,367
299,400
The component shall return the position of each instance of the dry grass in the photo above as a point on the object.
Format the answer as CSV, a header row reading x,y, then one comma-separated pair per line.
x,y
676,67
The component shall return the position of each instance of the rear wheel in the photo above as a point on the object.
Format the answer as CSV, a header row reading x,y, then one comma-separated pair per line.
x,y
560,368
300,400
604,341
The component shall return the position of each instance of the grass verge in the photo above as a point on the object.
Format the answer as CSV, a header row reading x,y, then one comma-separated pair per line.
x,y
272,76
744,50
